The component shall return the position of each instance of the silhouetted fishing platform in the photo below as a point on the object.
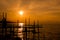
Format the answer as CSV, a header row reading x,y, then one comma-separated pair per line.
x,y
13,31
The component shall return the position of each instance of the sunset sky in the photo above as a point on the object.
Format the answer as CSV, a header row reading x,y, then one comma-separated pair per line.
x,y
42,10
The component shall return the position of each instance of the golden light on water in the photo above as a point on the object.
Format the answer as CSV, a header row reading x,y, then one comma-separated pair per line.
x,y
21,24
20,34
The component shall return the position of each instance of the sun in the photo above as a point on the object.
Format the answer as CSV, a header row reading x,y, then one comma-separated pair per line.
x,y
21,12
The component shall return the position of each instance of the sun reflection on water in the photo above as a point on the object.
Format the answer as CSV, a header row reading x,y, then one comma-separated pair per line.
x,y
20,34
21,24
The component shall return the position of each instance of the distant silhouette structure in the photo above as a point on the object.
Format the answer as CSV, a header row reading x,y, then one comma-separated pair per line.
x,y
4,20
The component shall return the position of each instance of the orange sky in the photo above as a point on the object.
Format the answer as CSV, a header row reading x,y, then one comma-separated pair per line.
x,y
42,10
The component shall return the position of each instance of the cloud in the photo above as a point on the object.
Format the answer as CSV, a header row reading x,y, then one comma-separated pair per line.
x,y
9,4
31,4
